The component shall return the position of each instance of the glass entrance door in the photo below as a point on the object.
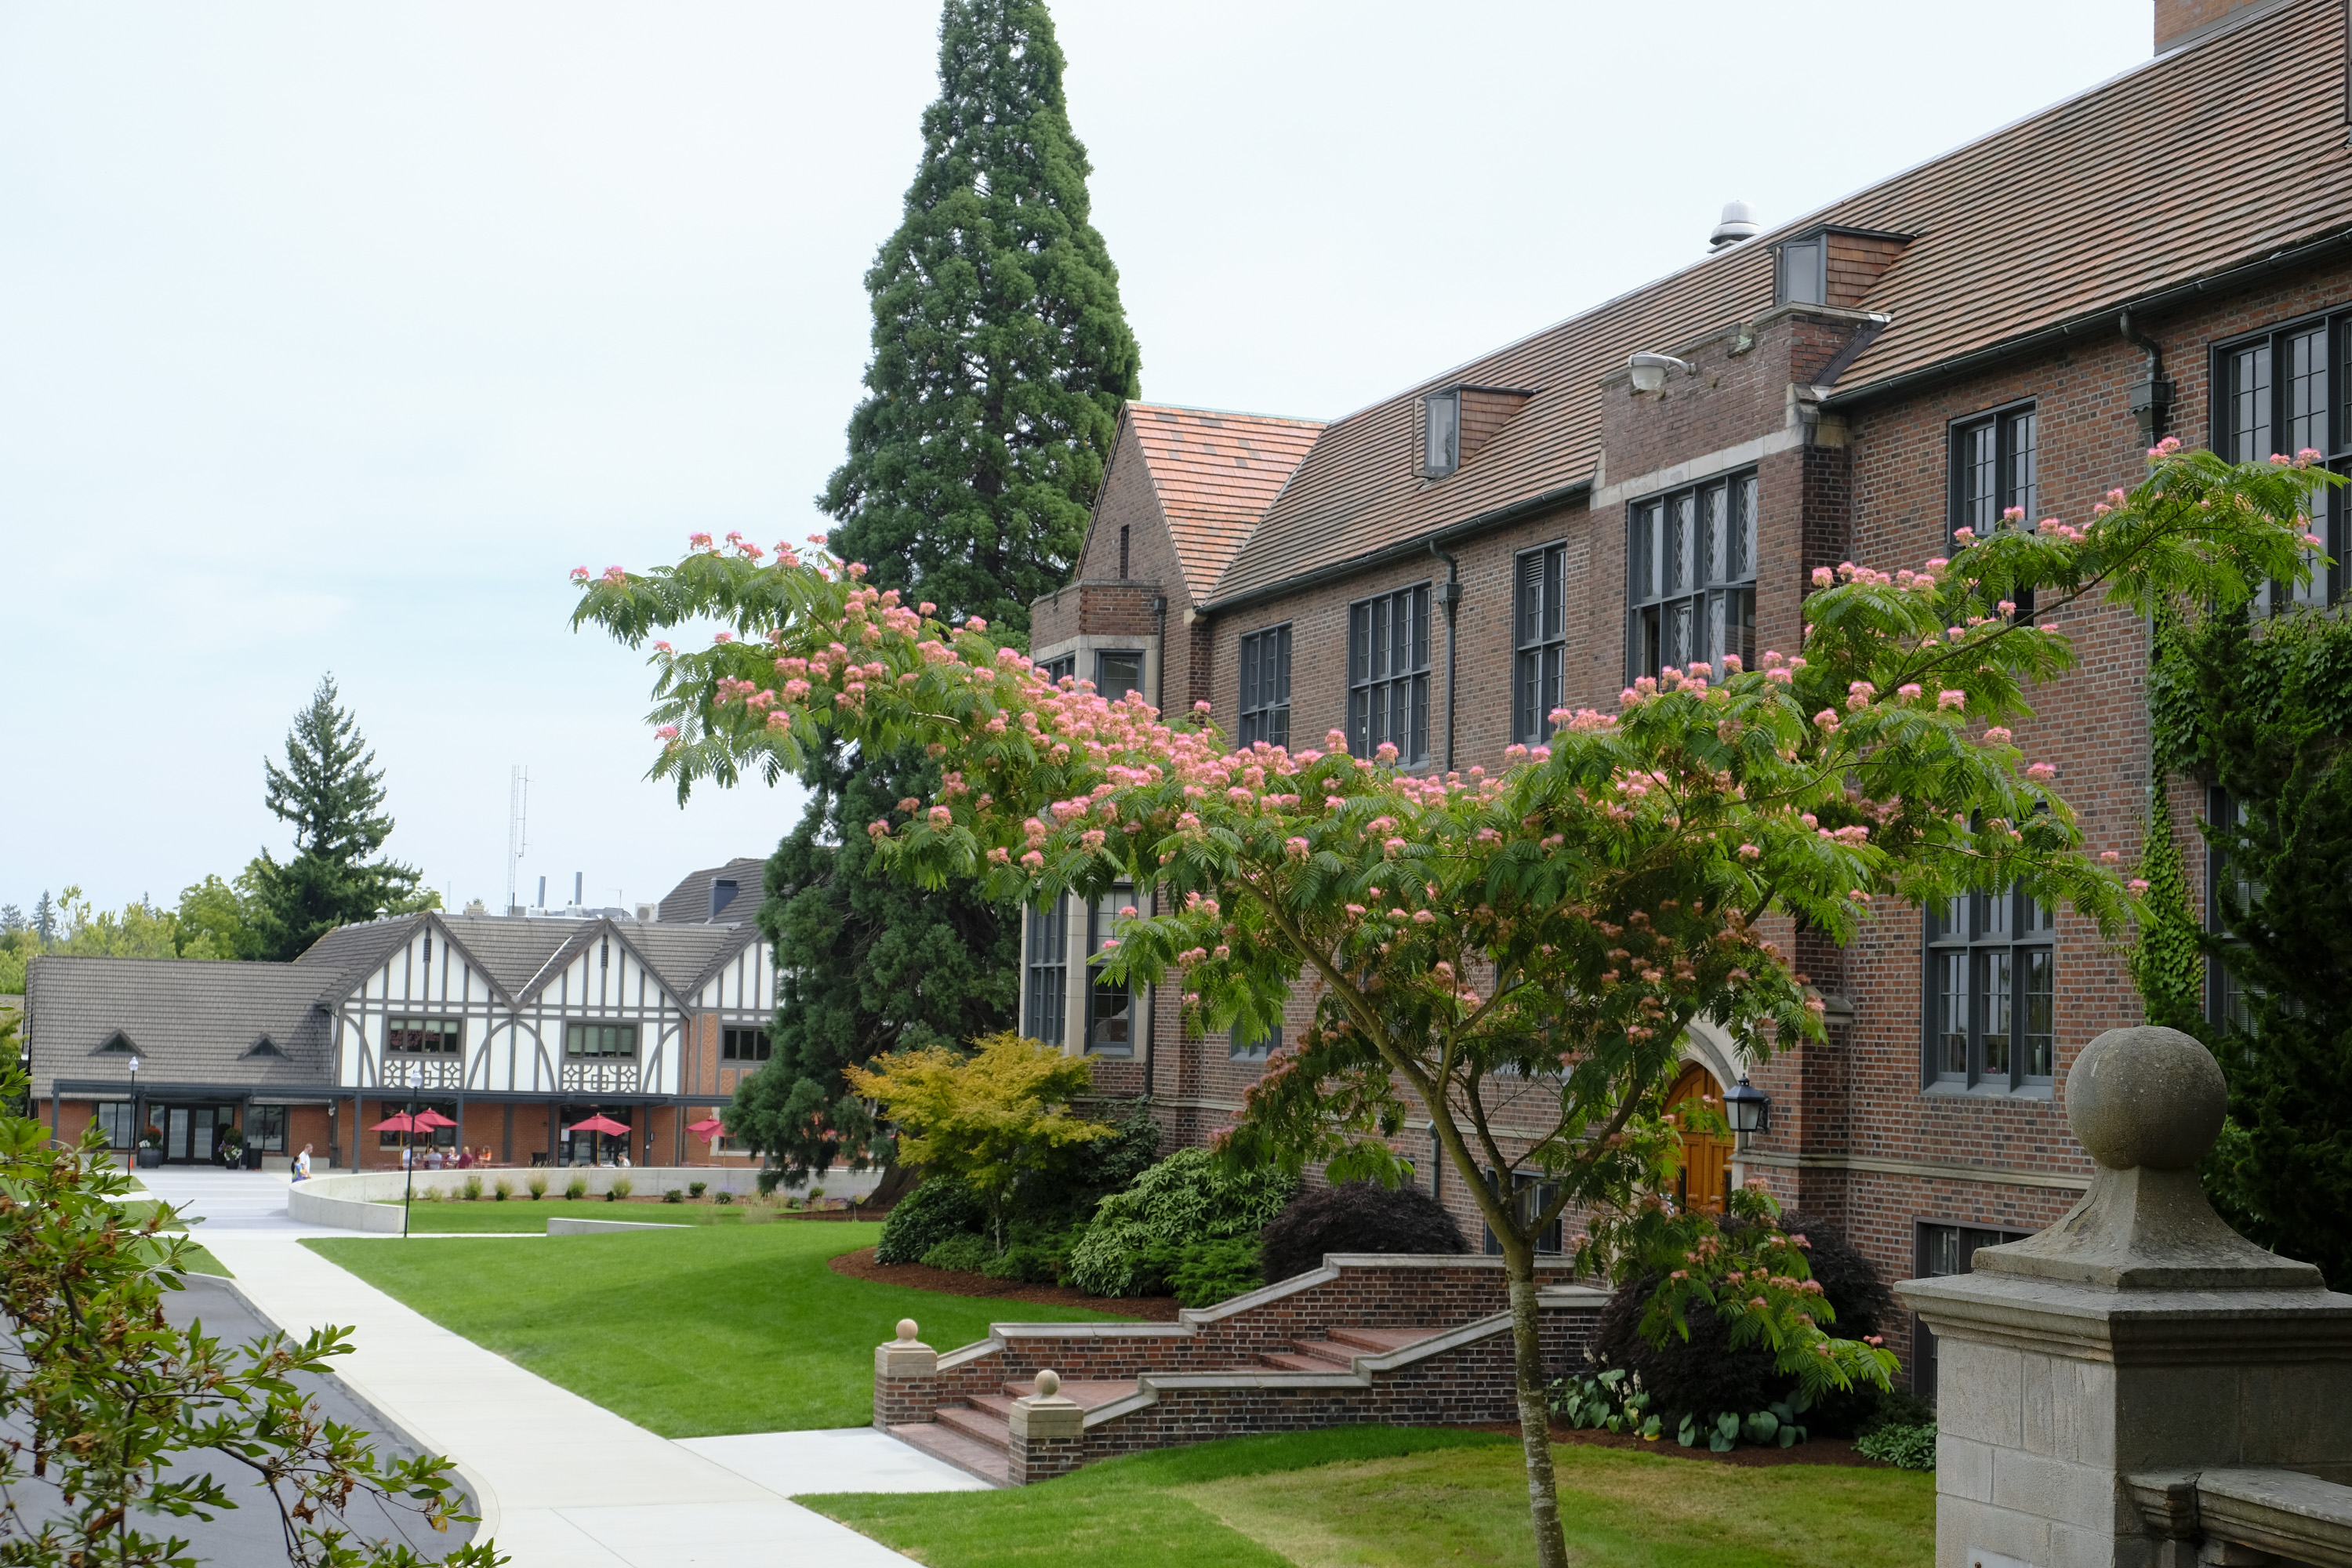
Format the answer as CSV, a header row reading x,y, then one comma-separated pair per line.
x,y
189,1131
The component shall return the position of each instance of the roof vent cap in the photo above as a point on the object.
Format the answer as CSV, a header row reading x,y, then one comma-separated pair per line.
x,y
1738,223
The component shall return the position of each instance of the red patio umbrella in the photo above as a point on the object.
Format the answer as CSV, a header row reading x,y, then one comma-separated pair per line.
x,y
397,1122
705,1127
430,1118
599,1122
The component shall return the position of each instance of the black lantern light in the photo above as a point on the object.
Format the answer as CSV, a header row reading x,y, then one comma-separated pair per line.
x,y
1748,1108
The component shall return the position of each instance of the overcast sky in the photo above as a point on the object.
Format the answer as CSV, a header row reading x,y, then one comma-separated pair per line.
x,y
332,337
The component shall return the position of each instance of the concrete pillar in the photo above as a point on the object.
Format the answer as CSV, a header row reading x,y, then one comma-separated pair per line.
x,y
905,1380
2139,1338
1049,1433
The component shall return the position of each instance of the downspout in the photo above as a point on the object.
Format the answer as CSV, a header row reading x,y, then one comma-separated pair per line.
x,y
2151,397
1159,700
1449,594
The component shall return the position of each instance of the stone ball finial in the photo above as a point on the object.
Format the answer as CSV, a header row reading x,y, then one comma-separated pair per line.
x,y
2146,1097
1049,1384
907,1330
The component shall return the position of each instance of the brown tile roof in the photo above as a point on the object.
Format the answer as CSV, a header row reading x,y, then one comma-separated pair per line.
x,y
2179,168
1215,474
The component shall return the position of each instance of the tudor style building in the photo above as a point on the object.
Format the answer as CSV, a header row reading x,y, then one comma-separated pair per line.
x,y
1653,481
511,1027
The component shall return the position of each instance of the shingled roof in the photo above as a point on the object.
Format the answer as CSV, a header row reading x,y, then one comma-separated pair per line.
x,y
1215,474
689,901
2188,166
192,1021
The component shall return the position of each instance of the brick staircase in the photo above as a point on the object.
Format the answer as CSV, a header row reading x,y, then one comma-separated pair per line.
x,y
1417,1341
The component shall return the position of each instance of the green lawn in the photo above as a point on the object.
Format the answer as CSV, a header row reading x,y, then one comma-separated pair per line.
x,y
1390,1498
723,1328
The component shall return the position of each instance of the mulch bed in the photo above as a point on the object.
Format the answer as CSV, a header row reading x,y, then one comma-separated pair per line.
x,y
1816,1451
860,1265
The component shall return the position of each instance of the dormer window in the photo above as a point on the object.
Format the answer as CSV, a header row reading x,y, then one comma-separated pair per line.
x,y
1800,275
117,1044
1440,433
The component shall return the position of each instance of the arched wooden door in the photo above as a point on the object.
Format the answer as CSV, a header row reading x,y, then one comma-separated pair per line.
x,y
1706,1178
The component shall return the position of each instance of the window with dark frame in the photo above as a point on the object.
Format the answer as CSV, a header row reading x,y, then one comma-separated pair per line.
x,y
1539,640
1248,1047
1110,1004
1531,1195
2225,994
742,1045
2286,391
1047,1008
1944,1250
114,1116
600,1039
1801,271
1690,568
1117,672
1057,670
1266,687
1388,674
265,1128
425,1037
1440,433
1992,964
1996,466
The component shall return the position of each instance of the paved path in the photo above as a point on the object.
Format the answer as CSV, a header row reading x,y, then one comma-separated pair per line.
x,y
563,1483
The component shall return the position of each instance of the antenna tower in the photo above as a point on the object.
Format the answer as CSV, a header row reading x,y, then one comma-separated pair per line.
x,y
517,827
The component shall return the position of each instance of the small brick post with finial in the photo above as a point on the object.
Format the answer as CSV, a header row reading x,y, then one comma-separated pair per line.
x,y
1049,1433
905,1380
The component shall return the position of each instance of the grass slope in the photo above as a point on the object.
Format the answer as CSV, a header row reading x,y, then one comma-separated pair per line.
x,y
1389,1498
715,1330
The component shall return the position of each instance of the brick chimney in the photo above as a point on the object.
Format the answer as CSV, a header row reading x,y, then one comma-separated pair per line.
x,y
2180,22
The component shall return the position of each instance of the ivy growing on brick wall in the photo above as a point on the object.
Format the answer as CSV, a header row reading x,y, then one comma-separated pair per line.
x,y
2263,708
2168,962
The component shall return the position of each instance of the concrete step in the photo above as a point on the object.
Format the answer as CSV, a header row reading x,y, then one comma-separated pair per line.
x,y
972,1457
1379,1340
1297,1361
985,1427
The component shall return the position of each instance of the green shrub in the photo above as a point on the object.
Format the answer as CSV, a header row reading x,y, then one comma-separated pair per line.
x,y
966,1253
675,1196
1186,1198
1905,1447
1034,1254
722,1196
1208,1272
621,1188
501,1189
576,1188
473,1189
940,1208
1611,1400
1357,1216
536,1187
695,1189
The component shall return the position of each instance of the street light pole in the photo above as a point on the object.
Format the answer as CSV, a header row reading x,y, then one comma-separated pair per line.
x,y
409,1191
138,1121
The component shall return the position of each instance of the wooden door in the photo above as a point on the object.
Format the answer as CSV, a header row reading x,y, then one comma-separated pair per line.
x,y
1706,1178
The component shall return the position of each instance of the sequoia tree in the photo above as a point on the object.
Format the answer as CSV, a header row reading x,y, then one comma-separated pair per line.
x,y
1001,358
2262,709
1475,945
333,797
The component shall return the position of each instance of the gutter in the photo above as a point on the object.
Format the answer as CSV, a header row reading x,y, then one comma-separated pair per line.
x,y
2100,322
1423,544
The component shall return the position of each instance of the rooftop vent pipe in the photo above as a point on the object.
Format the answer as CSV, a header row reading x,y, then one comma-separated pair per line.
x,y
1738,223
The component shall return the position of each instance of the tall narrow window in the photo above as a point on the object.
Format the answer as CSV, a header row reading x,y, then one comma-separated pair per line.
x,y
1801,278
1690,576
2225,994
1122,551
2282,393
1992,991
1540,631
1046,1007
1266,687
1388,674
1110,1004
1117,674
1996,465
1440,433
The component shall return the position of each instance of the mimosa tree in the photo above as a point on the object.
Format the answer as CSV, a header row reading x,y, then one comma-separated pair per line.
x,y
1515,955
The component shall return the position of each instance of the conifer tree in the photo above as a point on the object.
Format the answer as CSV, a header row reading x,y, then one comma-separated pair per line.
x,y
1001,359
333,797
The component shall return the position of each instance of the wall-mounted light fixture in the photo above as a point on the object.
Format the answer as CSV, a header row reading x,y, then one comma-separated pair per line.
x,y
1650,370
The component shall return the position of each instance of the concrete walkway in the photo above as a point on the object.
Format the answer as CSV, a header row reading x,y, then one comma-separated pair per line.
x,y
563,1483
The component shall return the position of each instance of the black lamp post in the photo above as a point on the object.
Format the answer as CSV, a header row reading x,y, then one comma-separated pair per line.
x,y
415,1075
137,1121
1747,1108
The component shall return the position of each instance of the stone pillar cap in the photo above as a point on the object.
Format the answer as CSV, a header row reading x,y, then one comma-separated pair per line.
x,y
2147,1103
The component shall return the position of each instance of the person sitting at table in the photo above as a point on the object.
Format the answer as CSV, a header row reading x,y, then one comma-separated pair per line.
x,y
466,1159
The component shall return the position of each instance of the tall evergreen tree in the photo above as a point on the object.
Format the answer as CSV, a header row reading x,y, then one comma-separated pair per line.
x,y
333,797
1001,358
2268,717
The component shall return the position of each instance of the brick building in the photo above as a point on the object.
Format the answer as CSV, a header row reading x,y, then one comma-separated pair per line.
x,y
2009,324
